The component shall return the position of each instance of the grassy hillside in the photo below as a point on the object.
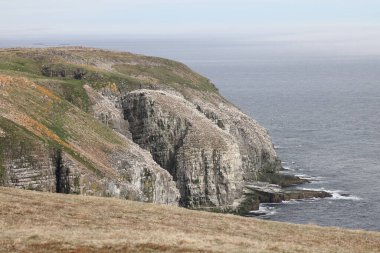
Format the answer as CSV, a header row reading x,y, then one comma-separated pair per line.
x,y
69,223
71,67
52,119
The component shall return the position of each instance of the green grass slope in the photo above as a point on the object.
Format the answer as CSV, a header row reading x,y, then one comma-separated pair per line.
x,y
48,117
74,66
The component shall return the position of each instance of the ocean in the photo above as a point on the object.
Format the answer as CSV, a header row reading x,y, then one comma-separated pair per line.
x,y
322,112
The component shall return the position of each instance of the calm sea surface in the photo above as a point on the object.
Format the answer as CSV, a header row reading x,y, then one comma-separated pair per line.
x,y
323,114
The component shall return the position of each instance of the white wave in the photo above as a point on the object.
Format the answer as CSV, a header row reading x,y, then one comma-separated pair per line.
x,y
303,176
318,178
311,178
264,210
311,189
288,168
282,147
291,202
337,194
291,162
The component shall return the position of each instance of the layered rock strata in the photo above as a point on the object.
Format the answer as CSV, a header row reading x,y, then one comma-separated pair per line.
x,y
212,155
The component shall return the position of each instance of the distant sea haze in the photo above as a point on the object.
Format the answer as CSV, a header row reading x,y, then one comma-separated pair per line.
x,y
322,112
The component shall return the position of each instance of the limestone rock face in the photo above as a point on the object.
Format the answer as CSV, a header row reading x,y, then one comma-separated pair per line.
x,y
40,167
255,146
210,152
107,108
141,178
28,170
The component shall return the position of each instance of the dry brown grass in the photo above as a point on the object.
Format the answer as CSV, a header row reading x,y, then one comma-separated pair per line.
x,y
45,222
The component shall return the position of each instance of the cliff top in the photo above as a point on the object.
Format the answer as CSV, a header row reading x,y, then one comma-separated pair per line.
x,y
101,67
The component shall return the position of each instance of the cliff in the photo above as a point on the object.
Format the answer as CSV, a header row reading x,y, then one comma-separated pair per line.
x,y
94,122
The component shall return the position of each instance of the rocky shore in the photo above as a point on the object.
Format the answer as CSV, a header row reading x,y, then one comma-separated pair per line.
x,y
263,192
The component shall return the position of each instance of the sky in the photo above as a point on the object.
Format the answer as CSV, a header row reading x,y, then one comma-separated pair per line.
x,y
354,23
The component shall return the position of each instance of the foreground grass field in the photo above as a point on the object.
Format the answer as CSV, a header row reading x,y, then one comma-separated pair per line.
x,y
45,222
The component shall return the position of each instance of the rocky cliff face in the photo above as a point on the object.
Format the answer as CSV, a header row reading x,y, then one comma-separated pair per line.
x,y
209,147
72,153
107,108
114,124
35,165
255,145
203,159
211,152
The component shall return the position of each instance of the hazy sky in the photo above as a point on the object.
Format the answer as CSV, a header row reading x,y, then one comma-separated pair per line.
x,y
354,23
39,17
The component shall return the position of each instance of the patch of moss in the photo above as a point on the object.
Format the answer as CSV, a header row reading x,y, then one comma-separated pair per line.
x,y
16,135
170,73
284,180
76,184
71,90
3,172
84,161
148,184
195,181
63,70
19,64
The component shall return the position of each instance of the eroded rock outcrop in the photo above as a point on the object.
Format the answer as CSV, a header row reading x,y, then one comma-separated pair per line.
x,y
203,159
37,166
210,157
107,108
263,192
255,145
